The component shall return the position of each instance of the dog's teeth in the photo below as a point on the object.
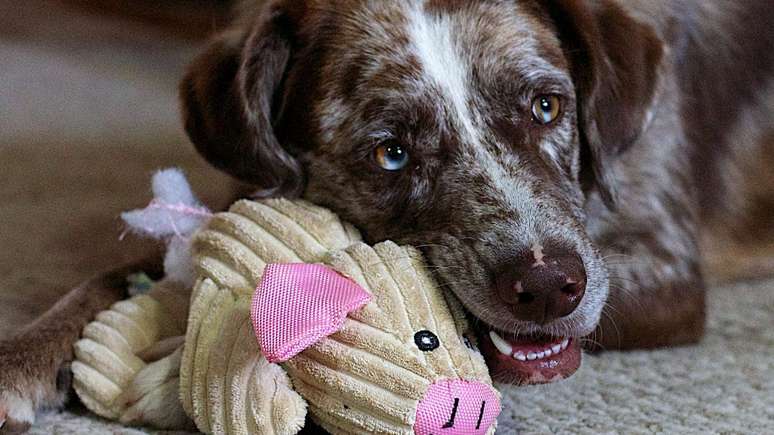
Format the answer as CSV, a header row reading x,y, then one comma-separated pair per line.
x,y
500,344
506,348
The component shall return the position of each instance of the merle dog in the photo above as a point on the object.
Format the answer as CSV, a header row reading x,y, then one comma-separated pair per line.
x,y
553,159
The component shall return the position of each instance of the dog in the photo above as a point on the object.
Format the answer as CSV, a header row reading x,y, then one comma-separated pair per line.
x,y
554,160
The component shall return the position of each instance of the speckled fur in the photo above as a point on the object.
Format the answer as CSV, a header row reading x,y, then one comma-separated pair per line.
x,y
614,179
657,96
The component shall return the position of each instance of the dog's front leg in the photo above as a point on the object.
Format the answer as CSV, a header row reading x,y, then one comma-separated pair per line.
x,y
34,363
657,292
670,315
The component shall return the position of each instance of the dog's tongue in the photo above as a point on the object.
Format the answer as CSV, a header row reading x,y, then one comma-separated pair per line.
x,y
530,361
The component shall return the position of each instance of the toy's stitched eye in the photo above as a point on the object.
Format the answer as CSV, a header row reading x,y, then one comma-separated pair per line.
x,y
426,341
546,108
391,157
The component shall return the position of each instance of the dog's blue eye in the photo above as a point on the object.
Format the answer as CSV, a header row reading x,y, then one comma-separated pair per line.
x,y
391,157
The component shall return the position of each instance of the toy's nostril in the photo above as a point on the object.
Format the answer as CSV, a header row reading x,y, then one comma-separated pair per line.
x,y
481,415
456,407
453,417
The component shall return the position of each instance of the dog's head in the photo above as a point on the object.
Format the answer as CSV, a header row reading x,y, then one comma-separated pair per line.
x,y
477,131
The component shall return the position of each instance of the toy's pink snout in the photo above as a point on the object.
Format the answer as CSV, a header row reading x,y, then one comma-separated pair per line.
x,y
457,407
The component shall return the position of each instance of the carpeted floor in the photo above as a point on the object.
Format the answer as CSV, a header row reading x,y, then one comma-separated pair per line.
x,y
88,110
725,385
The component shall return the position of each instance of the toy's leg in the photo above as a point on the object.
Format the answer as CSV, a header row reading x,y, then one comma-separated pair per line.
x,y
175,299
153,397
162,349
34,364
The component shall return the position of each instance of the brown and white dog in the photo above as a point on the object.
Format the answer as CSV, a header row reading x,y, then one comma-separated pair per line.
x,y
553,159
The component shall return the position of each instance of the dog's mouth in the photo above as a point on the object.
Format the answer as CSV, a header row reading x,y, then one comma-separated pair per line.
x,y
528,360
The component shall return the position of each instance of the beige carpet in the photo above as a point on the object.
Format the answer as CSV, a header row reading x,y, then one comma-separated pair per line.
x,y
88,110
723,386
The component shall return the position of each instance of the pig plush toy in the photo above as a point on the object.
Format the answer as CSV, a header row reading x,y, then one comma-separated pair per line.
x,y
291,314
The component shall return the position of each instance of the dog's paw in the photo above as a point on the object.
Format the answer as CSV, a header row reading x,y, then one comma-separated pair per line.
x,y
20,402
32,377
16,413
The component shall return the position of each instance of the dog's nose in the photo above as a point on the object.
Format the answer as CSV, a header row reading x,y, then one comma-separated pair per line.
x,y
542,285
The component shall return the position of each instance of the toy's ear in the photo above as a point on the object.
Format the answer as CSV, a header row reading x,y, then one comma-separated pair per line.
x,y
296,305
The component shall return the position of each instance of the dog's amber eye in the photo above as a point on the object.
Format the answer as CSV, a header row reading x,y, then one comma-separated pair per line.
x,y
546,108
391,157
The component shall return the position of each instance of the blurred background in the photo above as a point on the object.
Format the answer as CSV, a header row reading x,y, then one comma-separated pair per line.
x,y
88,110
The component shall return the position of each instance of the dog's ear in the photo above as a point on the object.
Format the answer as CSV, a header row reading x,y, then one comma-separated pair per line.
x,y
614,62
230,98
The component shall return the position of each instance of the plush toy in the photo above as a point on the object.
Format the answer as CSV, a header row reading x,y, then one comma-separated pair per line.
x,y
290,313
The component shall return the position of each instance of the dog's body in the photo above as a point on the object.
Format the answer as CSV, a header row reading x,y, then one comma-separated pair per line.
x,y
553,159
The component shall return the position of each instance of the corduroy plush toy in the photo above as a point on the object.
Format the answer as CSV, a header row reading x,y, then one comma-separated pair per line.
x,y
290,313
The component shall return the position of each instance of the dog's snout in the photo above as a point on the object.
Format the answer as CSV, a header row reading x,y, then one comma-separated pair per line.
x,y
542,285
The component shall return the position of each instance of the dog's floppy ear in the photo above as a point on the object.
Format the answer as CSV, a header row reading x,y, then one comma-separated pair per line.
x,y
230,97
614,62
